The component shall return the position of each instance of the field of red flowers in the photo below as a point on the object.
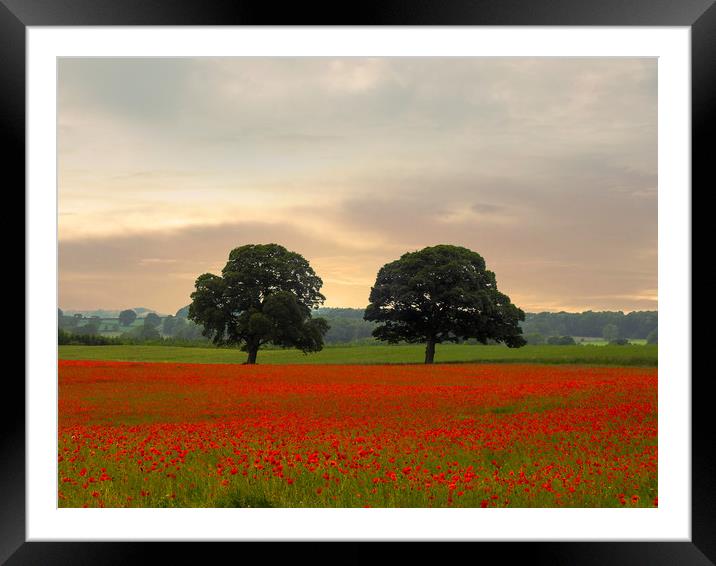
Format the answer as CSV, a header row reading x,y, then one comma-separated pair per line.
x,y
185,435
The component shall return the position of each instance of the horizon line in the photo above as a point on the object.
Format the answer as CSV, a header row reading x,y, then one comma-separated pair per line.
x,y
553,311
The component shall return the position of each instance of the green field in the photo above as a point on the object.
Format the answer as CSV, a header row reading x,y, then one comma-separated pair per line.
x,y
399,354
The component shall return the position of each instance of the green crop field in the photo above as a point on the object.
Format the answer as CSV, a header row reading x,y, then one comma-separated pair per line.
x,y
646,355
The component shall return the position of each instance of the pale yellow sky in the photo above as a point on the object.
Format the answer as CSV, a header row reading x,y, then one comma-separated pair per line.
x,y
546,167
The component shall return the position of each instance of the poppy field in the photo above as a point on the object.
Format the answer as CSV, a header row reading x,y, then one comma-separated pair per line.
x,y
464,435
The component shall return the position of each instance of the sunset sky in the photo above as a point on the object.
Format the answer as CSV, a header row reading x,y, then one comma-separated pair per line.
x,y
545,166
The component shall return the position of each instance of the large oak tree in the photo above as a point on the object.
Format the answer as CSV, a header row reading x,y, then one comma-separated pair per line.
x,y
264,295
440,294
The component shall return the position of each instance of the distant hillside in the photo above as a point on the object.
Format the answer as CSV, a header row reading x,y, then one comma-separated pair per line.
x,y
102,313
110,313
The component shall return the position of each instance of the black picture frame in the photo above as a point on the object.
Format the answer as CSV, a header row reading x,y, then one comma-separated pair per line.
x,y
17,15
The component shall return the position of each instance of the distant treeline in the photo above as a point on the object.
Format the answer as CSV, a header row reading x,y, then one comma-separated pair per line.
x,y
636,324
65,338
346,327
128,328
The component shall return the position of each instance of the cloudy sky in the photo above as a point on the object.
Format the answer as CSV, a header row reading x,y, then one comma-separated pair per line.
x,y
545,166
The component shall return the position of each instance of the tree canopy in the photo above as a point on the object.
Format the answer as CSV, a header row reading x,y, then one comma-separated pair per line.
x,y
442,293
610,332
127,317
169,324
152,319
264,294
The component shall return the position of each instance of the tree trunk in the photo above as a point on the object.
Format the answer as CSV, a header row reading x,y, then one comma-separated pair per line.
x,y
252,355
430,351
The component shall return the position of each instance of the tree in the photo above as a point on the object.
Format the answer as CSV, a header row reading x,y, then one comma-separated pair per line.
x,y
62,320
152,319
168,325
653,337
610,332
91,328
264,295
148,332
440,294
71,321
127,317
534,339
187,330
63,337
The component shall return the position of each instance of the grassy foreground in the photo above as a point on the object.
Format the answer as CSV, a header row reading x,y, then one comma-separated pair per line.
x,y
400,354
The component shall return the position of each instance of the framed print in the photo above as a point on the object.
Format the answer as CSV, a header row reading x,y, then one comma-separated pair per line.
x,y
211,204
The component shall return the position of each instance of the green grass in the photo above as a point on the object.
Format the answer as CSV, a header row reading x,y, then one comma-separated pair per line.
x,y
646,355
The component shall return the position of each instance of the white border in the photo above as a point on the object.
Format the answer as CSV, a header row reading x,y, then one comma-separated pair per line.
x,y
671,521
